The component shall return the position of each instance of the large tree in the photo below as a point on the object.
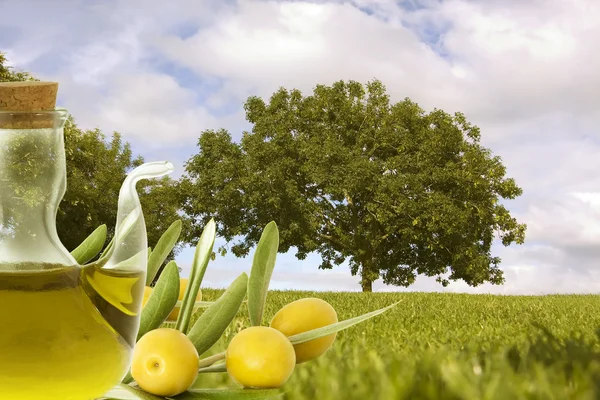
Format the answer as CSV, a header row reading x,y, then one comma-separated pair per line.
x,y
96,168
346,173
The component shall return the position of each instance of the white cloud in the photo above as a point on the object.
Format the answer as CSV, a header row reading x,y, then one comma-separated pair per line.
x,y
527,60
153,107
263,45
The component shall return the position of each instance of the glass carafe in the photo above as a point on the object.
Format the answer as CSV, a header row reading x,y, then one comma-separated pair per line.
x,y
67,331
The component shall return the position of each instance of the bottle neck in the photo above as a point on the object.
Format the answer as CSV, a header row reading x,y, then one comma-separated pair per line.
x,y
33,176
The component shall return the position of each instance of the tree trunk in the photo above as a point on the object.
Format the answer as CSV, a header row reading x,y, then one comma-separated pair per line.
x,y
367,284
367,275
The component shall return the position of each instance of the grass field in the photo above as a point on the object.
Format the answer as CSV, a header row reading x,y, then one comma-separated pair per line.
x,y
446,346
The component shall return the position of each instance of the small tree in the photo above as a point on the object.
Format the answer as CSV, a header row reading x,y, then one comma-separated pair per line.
x,y
346,173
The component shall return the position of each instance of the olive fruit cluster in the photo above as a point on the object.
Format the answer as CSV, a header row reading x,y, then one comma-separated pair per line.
x,y
165,362
263,357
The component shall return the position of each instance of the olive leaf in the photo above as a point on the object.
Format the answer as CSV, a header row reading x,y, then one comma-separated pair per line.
x,y
260,274
204,249
214,320
161,251
126,392
338,326
91,246
162,300
229,394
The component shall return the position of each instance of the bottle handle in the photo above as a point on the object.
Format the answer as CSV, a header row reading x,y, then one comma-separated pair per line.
x,y
129,247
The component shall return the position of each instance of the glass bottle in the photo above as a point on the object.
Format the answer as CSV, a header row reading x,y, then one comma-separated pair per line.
x,y
68,330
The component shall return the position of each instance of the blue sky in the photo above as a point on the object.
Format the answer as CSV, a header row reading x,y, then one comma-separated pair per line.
x,y
524,71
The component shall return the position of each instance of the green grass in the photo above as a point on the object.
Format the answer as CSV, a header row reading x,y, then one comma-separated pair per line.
x,y
446,346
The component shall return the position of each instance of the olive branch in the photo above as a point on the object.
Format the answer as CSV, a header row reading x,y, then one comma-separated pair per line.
x,y
217,315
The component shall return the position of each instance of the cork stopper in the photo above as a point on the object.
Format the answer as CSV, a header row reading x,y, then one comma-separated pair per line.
x,y
28,97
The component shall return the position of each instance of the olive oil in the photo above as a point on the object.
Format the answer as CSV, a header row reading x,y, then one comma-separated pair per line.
x,y
66,332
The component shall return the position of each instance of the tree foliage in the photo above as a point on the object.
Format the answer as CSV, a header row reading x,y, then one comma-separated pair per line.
x,y
346,173
7,74
96,169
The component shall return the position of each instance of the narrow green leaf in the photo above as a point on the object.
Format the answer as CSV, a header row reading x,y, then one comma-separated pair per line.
x,y
91,246
338,326
204,249
213,368
161,301
126,392
214,320
163,248
260,274
229,394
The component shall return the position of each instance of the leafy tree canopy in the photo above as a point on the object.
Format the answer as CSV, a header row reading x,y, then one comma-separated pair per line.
x,y
350,175
96,169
